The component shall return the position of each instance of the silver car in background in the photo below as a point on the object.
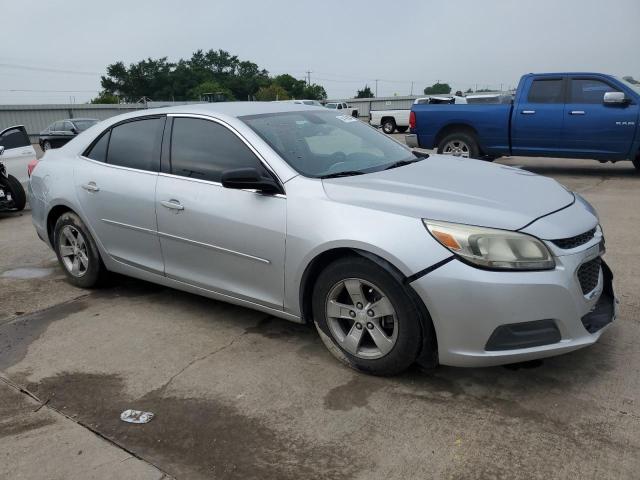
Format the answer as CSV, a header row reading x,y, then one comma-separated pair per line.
x,y
313,216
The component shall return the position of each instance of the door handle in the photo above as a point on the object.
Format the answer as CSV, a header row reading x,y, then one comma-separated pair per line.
x,y
576,112
172,204
528,112
91,187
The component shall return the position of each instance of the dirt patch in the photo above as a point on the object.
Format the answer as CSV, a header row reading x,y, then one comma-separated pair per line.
x,y
17,335
17,414
194,438
353,394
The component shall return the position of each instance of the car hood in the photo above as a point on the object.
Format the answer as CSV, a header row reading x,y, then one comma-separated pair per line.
x,y
456,190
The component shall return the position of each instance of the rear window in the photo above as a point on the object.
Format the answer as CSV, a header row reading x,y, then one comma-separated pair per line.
x,y
14,138
546,91
82,125
136,144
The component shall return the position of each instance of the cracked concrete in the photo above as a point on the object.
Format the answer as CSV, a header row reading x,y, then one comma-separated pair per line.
x,y
240,395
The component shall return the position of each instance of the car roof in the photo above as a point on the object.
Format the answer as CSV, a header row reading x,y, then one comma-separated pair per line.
x,y
232,109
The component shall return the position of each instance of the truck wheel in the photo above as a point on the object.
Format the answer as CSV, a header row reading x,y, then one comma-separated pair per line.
x,y
402,129
636,162
388,125
459,144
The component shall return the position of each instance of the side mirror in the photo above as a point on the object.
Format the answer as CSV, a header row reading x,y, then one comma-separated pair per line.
x,y
1,149
248,178
615,98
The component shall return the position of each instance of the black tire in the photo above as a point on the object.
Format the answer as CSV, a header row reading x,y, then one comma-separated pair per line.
x,y
636,163
17,192
47,145
464,138
388,125
95,271
409,334
401,129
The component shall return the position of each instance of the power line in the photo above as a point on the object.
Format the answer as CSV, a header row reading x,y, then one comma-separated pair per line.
x,y
45,69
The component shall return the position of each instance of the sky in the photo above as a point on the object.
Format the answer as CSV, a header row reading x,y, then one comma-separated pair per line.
x,y
54,51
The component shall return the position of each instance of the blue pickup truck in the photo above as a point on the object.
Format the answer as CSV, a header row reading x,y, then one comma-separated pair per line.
x,y
575,115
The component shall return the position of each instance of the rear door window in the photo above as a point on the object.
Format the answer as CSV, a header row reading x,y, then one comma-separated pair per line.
x,y
14,138
546,91
136,144
585,90
203,149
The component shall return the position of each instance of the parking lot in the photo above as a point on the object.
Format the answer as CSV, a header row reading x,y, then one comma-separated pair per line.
x,y
240,394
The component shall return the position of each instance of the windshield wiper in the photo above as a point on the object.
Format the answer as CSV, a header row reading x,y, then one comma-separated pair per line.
x,y
346,173
402,163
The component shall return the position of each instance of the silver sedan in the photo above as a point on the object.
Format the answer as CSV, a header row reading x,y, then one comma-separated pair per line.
x,y
309,215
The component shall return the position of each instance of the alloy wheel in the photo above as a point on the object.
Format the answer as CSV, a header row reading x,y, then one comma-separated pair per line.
x,y
73,251
361,318
457,148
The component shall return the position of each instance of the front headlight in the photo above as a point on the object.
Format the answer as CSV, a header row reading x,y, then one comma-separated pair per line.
x,y
491,248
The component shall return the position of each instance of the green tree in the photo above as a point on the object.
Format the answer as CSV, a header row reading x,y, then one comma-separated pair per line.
x,y
365,92
314,92
293,86
272,92
160,79
104,97
437,89
210,87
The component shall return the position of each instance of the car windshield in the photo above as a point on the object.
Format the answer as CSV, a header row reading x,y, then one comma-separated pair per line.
x,y
331,105
82,125
634,86
317,144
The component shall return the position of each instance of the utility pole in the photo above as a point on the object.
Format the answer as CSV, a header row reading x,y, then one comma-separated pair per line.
x,y
309,72
376,87
411,89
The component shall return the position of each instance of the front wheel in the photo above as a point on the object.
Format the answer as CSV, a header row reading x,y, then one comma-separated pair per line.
x,y
366,318
459,144
77,252
17,193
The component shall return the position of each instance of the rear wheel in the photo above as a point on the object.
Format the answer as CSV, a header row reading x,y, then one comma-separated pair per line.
x,y
46,145
401,129
459,144
77,252
388,125
366,318
17,192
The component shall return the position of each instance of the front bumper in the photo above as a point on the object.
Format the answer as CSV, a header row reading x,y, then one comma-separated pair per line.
x,y
467,305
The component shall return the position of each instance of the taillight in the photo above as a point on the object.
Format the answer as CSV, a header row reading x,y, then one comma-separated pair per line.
x,y
412,120
32,166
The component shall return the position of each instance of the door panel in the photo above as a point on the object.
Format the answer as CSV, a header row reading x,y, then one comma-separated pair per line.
x,y
18,152
593,129
230,241
538,119
121,212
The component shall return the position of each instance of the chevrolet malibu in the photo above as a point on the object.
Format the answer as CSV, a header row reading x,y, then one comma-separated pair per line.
x,y
313,216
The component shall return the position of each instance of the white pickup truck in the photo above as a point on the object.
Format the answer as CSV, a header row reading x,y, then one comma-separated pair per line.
x,y
390,120
344,106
